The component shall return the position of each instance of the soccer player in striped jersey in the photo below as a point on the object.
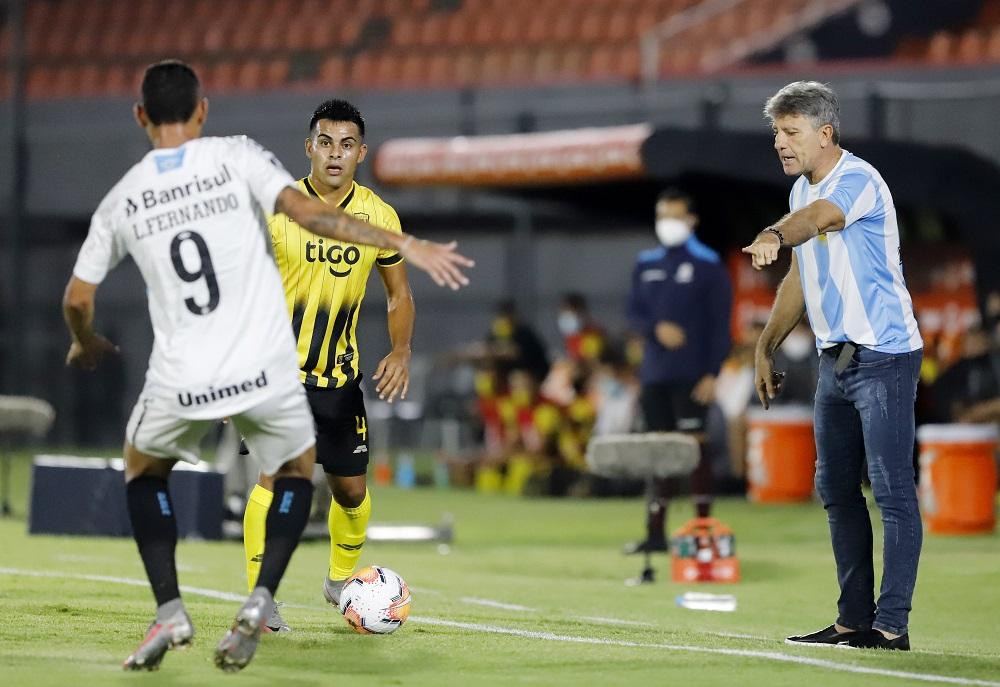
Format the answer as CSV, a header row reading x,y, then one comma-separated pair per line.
x,y
846,274
324,282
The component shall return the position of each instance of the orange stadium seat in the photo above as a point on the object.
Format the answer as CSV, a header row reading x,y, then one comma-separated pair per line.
x,y
38,83
993,46
432,30
494,67
940,47
333,72
457,30
405,31
466,68
440,71
971,47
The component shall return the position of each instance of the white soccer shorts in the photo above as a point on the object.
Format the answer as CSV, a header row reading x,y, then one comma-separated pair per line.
x,y
276,430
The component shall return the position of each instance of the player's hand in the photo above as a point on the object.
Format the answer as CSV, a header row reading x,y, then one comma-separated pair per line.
x,y
704,391
767,382
393,374
670,335
438,260
86,353
764,249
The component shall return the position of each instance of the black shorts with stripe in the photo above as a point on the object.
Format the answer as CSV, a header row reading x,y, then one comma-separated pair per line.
x,y
341,428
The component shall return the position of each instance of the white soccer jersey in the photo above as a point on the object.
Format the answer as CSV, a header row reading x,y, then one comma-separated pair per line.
x,y
852,279
193,219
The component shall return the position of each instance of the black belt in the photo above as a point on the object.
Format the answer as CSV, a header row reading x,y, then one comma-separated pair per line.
x,y
847,350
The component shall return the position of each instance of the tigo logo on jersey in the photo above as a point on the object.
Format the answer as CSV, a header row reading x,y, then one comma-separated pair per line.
x,y
169,161
336,254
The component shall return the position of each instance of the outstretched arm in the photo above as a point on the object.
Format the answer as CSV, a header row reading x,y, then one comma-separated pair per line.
x,y
439,260
393,372
789,306
794,229
88,347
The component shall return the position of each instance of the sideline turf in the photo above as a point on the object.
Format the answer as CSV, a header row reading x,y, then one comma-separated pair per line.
x,y
561,558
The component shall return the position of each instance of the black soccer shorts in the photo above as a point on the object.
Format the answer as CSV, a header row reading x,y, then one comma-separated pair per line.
x,y
668,407
341,429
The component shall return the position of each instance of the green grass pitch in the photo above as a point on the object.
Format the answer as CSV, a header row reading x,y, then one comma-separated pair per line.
x,y
561,614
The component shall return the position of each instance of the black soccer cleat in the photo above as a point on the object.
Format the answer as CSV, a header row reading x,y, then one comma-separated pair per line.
x,y
873,639
828,636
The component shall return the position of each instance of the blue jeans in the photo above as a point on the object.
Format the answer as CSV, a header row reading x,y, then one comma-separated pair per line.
x,y
867,410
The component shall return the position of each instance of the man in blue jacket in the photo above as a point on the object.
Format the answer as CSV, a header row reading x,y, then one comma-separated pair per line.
x,y
680,303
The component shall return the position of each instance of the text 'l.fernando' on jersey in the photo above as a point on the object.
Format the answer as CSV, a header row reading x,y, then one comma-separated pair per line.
x,y
325,281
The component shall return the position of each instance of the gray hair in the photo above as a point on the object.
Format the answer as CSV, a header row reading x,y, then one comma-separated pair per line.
x,y
811,99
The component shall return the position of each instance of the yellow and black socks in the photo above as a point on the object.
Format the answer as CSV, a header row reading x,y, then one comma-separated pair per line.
x,y
154,528
254,521
286,520
347,536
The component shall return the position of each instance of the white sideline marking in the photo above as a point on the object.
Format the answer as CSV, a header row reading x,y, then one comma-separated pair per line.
x,y
494,604
552,637
747,653
611,621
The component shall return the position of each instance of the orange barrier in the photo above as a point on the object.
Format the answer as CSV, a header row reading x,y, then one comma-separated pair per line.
x,y
958,478
781,454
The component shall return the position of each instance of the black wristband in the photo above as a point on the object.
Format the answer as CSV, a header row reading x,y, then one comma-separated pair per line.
x,y
781,239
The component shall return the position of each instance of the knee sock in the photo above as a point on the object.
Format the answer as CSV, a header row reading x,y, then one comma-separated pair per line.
x,y
154,528
347,535
286,519
254,520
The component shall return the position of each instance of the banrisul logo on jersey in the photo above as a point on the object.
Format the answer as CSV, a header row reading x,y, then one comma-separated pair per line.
x,y
339,258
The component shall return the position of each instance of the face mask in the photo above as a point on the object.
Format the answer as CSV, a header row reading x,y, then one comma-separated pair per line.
x,y
569,323
672,232
797,346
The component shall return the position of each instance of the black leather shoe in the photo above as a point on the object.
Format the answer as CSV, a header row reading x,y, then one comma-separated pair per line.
x,y
873,639
645,545
828,636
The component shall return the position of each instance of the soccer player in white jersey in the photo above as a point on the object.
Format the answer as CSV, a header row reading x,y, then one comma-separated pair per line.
x,y
846,275
191,214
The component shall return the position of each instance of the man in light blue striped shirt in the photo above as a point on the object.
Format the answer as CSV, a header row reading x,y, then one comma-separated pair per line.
x,y
846,275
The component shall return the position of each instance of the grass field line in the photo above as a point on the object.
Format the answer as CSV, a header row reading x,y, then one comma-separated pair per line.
x,y
553,637
743,653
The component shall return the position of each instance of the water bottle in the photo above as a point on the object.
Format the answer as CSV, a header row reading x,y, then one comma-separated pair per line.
x,y
406,473
698,601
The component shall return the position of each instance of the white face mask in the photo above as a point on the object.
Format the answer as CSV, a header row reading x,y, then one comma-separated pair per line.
x,y
672,232
568,323
797,345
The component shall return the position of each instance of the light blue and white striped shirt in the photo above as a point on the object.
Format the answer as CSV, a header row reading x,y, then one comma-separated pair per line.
x,y
853,279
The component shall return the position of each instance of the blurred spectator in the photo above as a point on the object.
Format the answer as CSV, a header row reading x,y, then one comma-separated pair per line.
x,y
583,338
734,393
515,344
680,303
616,388
797,358
967,384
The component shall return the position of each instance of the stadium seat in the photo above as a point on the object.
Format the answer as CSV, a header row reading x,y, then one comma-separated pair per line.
x,y
971,47
276,72
333,72
405,31
939,49
466,68
993,46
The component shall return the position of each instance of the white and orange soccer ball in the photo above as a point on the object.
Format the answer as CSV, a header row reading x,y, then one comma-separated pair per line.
x,y
375,600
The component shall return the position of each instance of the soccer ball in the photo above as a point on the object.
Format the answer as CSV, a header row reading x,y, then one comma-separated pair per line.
x,y
375,600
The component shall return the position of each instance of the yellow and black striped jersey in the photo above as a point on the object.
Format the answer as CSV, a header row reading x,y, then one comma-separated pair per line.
x,y
325,281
